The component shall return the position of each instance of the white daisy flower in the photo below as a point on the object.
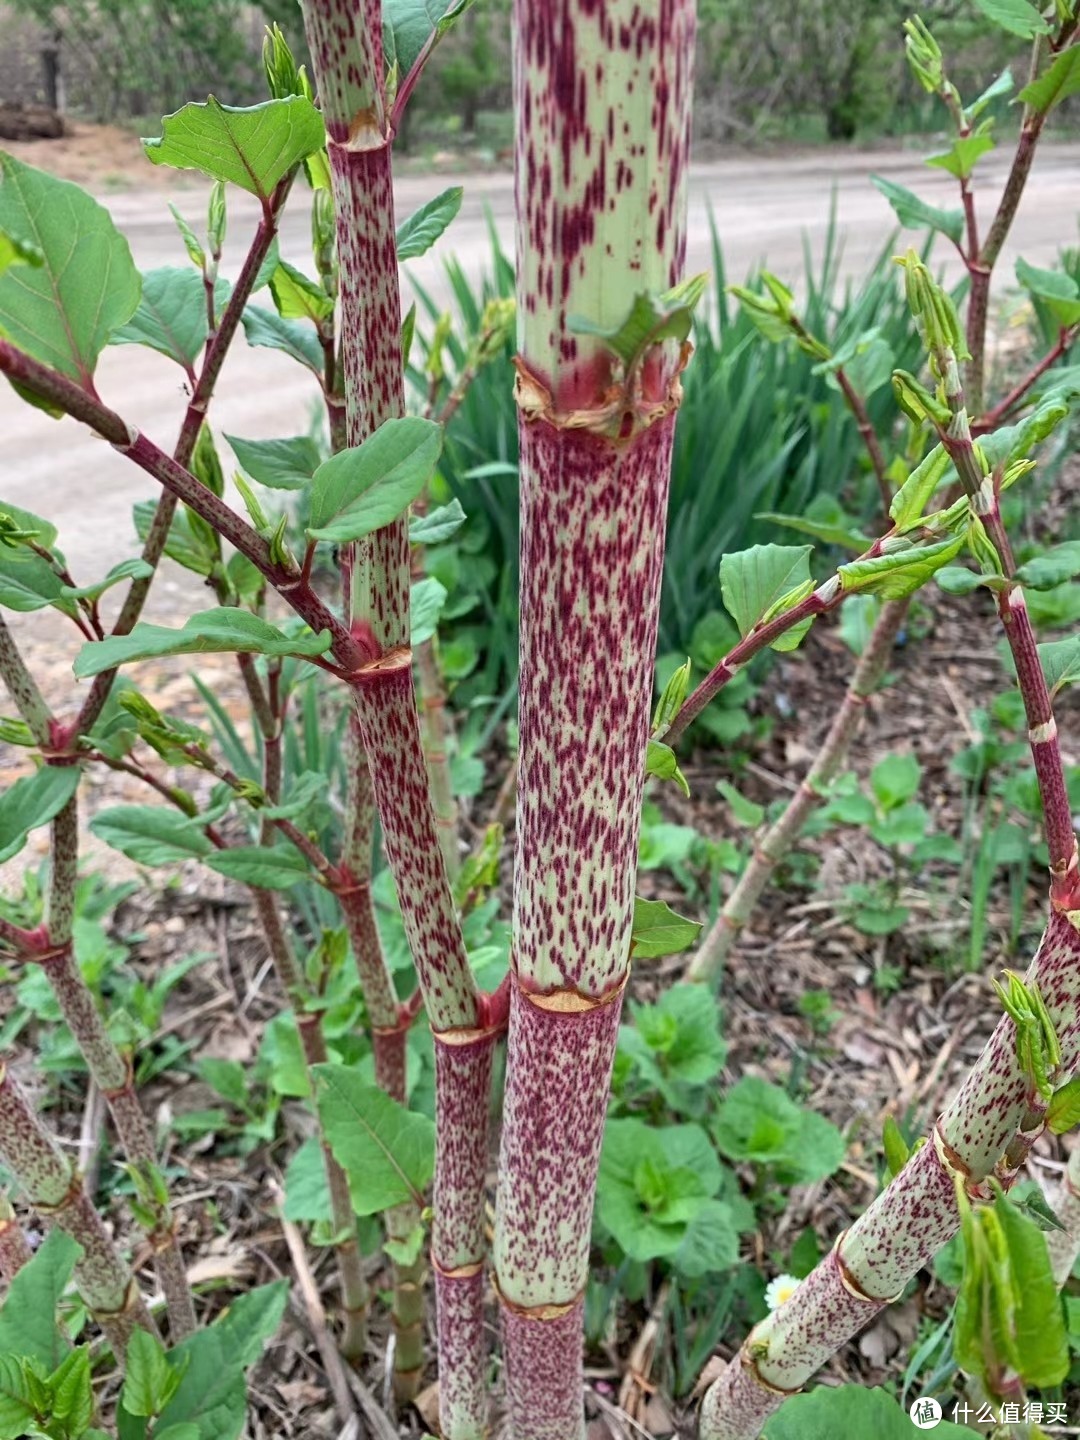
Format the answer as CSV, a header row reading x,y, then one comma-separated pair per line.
x,y
779,1290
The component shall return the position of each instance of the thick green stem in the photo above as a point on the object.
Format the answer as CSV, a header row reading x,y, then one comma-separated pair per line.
x,y
602,106
55,1189
707,964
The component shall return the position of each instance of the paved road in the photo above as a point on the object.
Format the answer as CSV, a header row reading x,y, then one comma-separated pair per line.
x,y
764,207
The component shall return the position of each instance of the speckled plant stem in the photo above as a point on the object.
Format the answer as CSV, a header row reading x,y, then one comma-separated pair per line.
x,y
987,1130
15,1249
708,962
110,1070
345,39
602,105
55,1190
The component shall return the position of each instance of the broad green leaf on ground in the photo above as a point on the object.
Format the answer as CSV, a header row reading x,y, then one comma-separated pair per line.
x,y
759,1122
149,1381
962,156
653,1184
417,234
297,297
1057,83
408,25
151,834
387,1152
894,779
1060,563
1058,291
753,581
658,930
253,147
28,1316
270,331
72,1392
850,1412
916,214
33,801
223,629
285,464
436,525
63,310
269,867
1018,17
307,1198
364,488
675,1042
426,600
212,1394
171,317
901,573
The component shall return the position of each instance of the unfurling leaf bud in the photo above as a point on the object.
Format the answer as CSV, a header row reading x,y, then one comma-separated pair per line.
x,y
283,76
215,220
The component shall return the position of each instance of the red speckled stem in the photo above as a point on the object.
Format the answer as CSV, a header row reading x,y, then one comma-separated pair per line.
x,y
602,107
983,1132
463,1091
15,1249
56,1191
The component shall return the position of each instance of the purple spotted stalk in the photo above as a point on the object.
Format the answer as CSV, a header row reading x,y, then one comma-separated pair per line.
x,y
15,1249
346,43
55,1189
602,113
1064,1245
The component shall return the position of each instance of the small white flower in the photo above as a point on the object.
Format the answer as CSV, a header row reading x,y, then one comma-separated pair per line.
x,y
779,1290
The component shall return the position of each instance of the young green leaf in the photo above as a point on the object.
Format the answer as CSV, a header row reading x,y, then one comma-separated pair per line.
x,y
253,147
387,1152
268,867
364,488
307,1198
1057,565
18,1409
900,573
410,25
759,1122
28,1316
62,311
72,1393
150,834
270,331
285,464
1058,291
436,525
910,501
148,1381
1018,17
743,811
28,582
657,930
676,1042
171,317
753,581
1055,84
34,801
916,214
426,600
1038,1325
963,155
417,234
661,761
224,629
211,1399
297,297
1061,663
1063,1112
897,1151
651,319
